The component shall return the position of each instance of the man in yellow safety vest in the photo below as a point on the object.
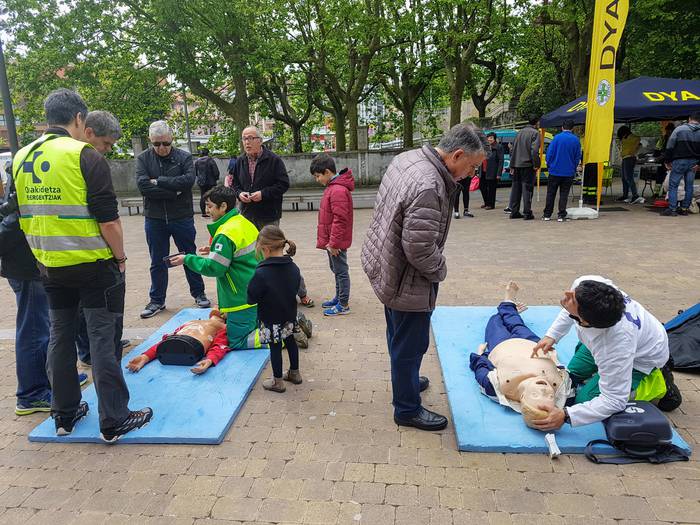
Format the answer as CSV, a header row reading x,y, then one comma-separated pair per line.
x,y
69,215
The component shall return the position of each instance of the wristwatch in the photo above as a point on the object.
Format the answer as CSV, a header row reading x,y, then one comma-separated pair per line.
x,y
567,419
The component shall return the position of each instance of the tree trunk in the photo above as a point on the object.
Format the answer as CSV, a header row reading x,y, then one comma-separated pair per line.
x,y
408,128
296,133
353,121
340,144
456,104
241,105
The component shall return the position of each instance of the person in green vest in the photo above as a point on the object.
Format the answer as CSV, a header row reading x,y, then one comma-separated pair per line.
x,y
231,258
69,215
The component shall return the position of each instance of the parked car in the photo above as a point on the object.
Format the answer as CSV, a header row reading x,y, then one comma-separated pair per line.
x,y
506,137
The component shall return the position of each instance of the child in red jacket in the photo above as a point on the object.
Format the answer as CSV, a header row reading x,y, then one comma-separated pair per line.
x,y
335,227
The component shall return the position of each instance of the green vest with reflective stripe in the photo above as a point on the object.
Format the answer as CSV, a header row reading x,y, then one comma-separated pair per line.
x,y
52,198
232,289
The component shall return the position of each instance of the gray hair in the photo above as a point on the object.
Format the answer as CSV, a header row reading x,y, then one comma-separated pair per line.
x,y
159,128
465,136
104,124
257,131
62,105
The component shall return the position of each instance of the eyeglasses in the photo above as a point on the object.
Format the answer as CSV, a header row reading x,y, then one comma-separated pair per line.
x,y
159,144
251,139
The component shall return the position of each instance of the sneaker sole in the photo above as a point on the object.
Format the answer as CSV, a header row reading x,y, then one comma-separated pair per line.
x,y
336,313
441,426
60,431
28,411
118,437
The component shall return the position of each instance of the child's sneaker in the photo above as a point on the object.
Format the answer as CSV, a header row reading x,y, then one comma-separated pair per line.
x,y
135,419
338,309
24,408
293,376
274,384
65,425
330,303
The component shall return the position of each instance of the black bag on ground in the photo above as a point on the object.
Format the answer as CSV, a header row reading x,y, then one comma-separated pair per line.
x,y
684,339
181,350
641,433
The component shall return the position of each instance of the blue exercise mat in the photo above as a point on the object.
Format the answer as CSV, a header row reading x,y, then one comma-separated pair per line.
x,y
481,424
187,408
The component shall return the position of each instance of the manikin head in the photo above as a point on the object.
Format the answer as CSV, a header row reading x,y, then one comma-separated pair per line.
x,y
535,392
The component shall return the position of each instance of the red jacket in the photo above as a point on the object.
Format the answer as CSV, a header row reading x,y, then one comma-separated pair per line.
x,y
218,349
335,213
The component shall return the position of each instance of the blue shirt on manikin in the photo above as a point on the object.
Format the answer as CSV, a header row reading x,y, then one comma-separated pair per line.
x,y
564,154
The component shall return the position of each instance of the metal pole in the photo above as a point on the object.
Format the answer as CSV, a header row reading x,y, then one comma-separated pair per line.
x,y
7,105
187,119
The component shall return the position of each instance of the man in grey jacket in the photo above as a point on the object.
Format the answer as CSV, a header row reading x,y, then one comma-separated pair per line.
x,y
402,256
524,160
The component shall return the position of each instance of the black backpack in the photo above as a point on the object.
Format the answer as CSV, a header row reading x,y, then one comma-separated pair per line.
x,y
641,433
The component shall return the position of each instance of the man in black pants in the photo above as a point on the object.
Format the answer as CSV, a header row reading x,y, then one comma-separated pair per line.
x,y
207,176
463,187
563,157
492,171
524,160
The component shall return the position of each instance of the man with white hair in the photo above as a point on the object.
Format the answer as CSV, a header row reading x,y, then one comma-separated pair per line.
x,y
165,176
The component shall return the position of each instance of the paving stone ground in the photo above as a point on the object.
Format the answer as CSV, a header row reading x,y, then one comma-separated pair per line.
x,y
327,451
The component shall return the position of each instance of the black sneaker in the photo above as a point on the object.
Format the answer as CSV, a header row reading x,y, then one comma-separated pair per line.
x,y
622,199
516,215
682,211
65,425
507,210
529,217
135,419
202,301
151,310
668,212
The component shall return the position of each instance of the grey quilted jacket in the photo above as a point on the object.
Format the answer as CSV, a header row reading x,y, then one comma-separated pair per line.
x,y
402,252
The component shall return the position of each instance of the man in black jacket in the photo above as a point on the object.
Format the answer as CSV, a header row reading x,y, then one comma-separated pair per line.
x,y
260,180
165,176
207,176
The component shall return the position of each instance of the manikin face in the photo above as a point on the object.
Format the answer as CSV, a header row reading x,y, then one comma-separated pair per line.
x,y
534,393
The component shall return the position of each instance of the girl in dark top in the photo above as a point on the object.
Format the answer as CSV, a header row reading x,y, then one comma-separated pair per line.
x,y
274,288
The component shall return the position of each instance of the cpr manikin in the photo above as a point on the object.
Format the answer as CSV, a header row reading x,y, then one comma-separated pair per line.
x,y
506,372
206,338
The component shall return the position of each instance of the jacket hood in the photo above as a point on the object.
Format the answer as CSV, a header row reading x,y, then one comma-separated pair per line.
x,y
694,126
344,178
270,261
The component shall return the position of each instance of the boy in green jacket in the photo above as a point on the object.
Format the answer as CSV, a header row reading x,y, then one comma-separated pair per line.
x,y
232,260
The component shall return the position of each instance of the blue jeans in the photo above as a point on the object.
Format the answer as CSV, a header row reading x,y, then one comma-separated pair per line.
x,y
628,184
408,336
31,340
158,233
339,267
506,324
681,170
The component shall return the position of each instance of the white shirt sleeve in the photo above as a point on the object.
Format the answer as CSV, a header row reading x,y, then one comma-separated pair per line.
x,y
561,326
615,357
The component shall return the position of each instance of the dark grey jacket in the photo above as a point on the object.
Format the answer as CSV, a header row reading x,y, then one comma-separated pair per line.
x,y
402,252
525,152
171,198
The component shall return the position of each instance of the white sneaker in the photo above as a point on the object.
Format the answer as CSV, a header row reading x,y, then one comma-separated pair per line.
x,y
638,200
628,200
456,215
546,218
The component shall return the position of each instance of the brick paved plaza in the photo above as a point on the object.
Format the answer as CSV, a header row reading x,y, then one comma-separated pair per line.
x,y
328,451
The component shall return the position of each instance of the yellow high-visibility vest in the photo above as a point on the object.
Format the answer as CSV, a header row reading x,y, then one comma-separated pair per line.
x,y
52,198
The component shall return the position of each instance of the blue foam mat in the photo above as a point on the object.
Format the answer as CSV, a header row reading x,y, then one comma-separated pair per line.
x,y
482,425
186,408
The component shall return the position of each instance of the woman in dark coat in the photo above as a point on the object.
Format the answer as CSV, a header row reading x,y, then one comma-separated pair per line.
x,y
492,172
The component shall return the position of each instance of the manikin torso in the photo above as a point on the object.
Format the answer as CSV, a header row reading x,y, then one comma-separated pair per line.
x,y
204,330
514,365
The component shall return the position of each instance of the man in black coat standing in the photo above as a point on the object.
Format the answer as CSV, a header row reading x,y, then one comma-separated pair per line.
x,y
260,180
207,176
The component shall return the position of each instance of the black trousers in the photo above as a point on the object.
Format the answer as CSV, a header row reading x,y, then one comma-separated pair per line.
x,y
276,355
523,184
202,199
408,337
563,184
463,187
488,190
99,289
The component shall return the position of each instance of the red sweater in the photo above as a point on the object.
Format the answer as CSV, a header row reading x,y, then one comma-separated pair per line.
x,y
335,213
218,349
